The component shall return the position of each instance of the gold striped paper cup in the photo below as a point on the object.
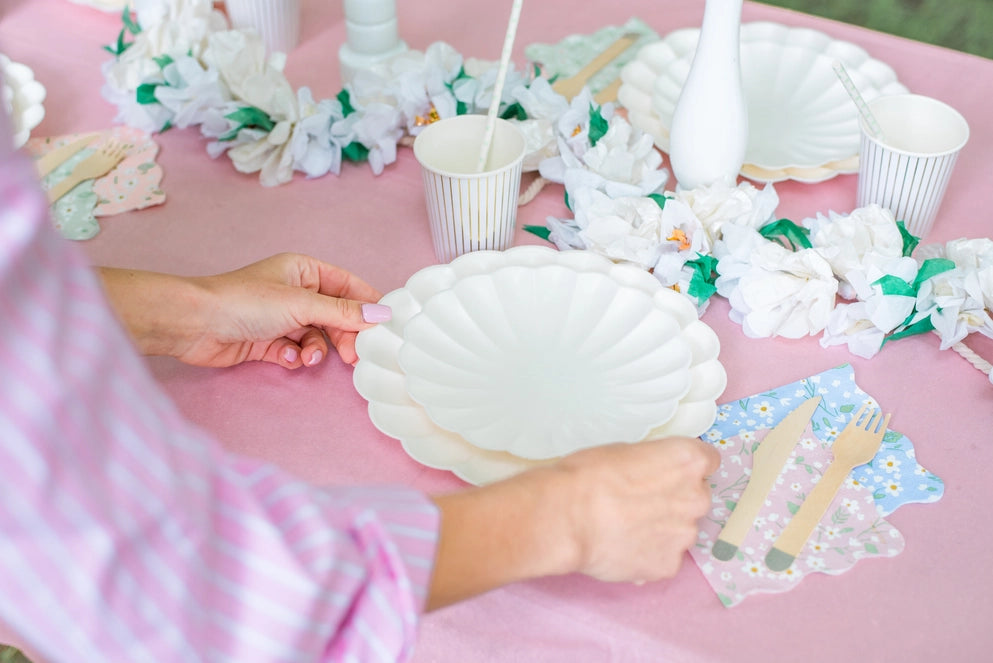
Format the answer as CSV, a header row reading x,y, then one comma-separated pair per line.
x,y
470,210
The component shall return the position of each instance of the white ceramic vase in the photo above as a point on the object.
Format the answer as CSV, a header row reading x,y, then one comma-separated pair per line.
x,y
709,130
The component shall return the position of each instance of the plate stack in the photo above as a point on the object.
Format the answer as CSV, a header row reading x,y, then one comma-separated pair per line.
x,y
501,361
802,124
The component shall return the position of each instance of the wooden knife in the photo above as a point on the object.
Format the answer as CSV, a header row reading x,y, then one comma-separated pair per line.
x,y
49,161
767,462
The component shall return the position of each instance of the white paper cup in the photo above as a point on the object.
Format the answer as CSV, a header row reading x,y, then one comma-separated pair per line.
x,y
908,169
277,21
469,210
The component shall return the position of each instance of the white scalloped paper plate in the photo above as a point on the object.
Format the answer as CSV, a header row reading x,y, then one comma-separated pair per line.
x,y
22,97
543,361
802,123
379,378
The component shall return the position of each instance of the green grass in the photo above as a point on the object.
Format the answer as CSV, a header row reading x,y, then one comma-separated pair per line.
x,y
964,25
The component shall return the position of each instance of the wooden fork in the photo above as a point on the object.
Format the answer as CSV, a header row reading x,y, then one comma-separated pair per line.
x,y
856,445
98,164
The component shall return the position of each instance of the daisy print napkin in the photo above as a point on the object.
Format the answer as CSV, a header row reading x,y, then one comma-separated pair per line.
x,y
854,526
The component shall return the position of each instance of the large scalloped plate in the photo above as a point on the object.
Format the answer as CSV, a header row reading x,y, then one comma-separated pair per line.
x,y
542,361
379,378
22,97
802,123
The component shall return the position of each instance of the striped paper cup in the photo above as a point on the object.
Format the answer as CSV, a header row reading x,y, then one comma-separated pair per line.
x,y
276,21
470,210
907,168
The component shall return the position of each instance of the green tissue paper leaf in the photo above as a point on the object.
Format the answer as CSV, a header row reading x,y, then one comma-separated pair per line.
x,y
250,117
894,285
514,112
704,277
598,125
931,268
659,199
540,231
355,151
910,242
129,23
145,93
345,98
796,237
163,61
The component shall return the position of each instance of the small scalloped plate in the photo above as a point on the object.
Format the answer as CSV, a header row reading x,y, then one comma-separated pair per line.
x,y
802,123
379,378
543,361
22,97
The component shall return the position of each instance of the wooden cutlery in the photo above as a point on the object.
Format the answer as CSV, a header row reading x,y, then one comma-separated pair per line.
x,y
98,164
857,444
767,462
49,161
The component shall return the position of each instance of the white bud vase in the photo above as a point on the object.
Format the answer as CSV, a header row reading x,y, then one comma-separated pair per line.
x,y
709,131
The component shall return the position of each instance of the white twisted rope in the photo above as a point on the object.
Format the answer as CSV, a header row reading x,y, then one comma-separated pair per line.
x,y
532,191
973,358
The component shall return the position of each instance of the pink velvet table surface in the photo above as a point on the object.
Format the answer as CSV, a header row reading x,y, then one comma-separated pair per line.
x,y
932,601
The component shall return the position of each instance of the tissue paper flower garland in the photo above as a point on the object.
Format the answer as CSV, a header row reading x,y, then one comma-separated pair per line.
x,y
784,279
177,65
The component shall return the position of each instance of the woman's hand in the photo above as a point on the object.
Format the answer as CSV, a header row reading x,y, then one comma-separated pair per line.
x,y
621,512
284,310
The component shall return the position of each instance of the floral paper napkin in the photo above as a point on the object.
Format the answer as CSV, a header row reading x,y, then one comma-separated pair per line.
x,y
854,527
134,184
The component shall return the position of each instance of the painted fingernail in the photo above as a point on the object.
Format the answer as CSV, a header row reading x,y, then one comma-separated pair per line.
x,y
376,312
315,358
290,355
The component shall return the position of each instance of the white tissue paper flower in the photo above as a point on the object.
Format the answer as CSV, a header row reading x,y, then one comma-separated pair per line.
x,y
849,325
176,28
315,151
623,163
849,242
190,91
240,60
378,127
975,257
955,309
632,229
543,106
742,205
773,291
414,82
476,91
864,324
146,117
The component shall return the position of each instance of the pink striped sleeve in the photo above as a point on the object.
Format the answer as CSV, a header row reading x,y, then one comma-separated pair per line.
x,y
128,535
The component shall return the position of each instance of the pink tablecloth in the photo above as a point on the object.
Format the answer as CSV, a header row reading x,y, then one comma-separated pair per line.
x,y
932,601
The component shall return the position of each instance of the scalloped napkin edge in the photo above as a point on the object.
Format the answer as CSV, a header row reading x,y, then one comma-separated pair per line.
x,y
854,527
133,185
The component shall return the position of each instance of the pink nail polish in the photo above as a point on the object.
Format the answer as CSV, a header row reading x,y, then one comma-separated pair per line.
x,y
376,312
315,358
290,355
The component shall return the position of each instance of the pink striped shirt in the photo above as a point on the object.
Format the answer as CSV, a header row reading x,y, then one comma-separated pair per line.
x,y
129,535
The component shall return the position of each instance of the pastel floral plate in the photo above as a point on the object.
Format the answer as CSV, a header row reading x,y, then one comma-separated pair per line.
x,y
854,527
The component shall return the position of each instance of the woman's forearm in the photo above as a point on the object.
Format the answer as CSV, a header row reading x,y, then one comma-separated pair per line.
x,y
159,311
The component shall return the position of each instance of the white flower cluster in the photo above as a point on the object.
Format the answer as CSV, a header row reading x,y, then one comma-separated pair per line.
x,y
183,68
782,279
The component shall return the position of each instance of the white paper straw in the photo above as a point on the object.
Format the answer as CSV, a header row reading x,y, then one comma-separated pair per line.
x,y
863,107
491,117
